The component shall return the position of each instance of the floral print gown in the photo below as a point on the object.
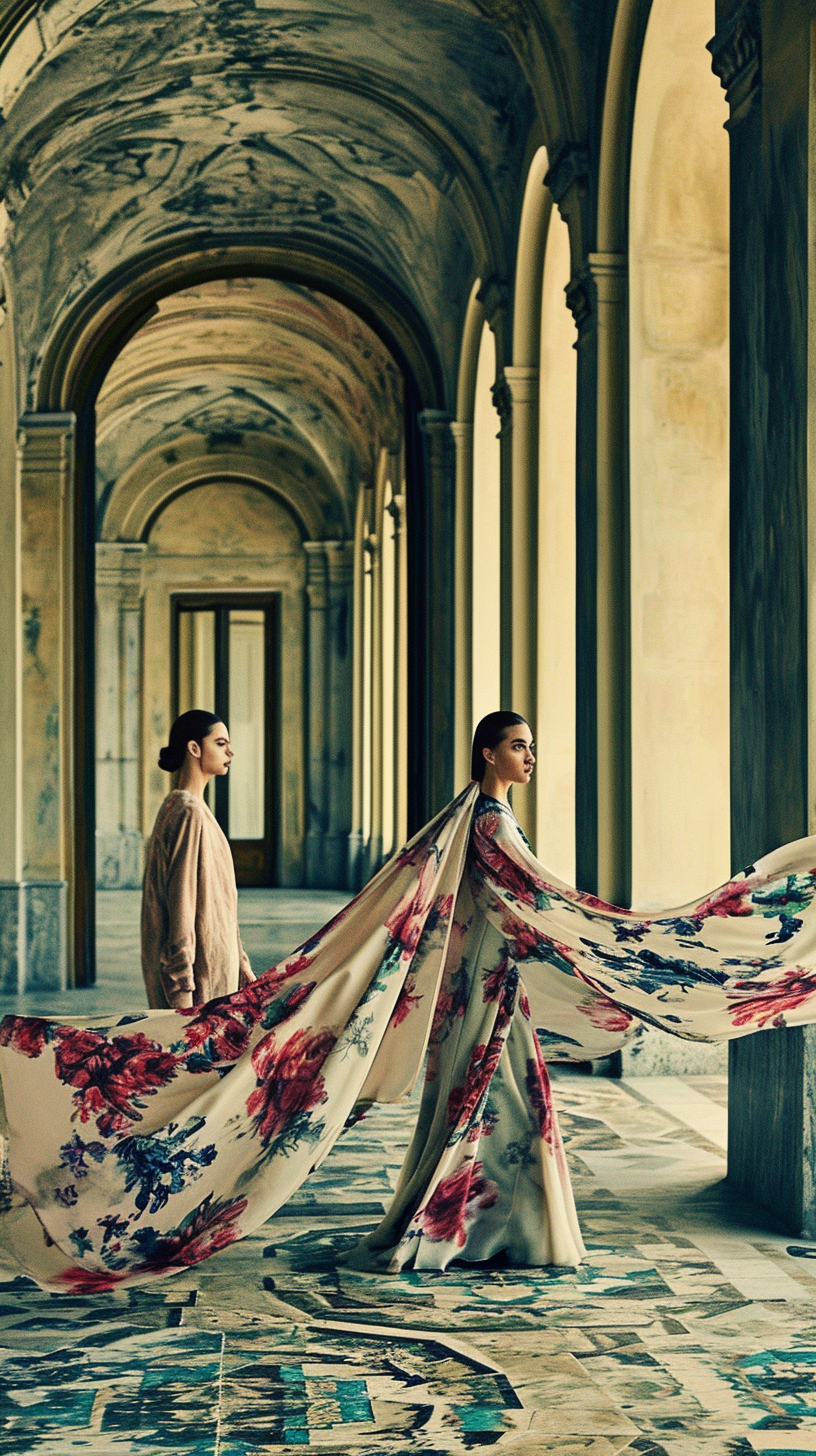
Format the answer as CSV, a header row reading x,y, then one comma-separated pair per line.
x,y
138,1147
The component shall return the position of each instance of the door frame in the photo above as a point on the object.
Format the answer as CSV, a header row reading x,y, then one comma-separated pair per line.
x,y
223,601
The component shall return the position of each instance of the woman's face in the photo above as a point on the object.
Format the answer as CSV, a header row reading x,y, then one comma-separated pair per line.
x,y
513,758
215,751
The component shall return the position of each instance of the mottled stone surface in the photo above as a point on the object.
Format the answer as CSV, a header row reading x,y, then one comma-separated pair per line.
x,y
33,928
46,930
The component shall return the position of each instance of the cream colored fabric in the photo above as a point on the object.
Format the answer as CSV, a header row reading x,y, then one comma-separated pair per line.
x,y
191,948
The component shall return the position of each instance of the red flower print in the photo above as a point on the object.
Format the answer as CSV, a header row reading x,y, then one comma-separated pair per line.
x,y
89,1281
225,1034
223,1027
604,1014
455,1202
406,1001
524,940
209,1227
484,1059
497,864
538,1090
406,922
730,900
289,1079
111,1074
26,1034
769,999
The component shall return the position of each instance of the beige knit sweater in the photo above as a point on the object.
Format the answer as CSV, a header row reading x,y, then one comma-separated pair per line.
x,y
191,948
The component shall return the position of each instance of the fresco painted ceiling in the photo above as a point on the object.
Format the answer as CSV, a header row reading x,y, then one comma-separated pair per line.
x,y
387,138
259,357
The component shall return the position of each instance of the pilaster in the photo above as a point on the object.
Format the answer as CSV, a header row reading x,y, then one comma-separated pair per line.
x,y
436,534
609,272
462,432
36,910
522,382
316,709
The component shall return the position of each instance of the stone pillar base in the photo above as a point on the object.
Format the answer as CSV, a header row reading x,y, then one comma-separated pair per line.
x,y
327,861
772,1124
33,936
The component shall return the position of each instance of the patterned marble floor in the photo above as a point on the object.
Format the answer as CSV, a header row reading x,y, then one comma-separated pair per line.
x,y
689,1331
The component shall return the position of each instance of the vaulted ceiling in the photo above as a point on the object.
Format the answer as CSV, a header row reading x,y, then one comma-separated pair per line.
x,y
239,360
377,149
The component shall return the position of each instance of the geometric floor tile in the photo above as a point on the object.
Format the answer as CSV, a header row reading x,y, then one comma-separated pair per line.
x,y
690,1330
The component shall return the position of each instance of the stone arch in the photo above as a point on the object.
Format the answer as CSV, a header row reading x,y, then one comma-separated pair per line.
x,y
82,346
140,496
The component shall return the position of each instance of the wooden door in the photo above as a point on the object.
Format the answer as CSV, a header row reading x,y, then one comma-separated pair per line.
x,y
226,660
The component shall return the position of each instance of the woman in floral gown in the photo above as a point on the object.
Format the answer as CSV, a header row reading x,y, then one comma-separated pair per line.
x,y
138,1147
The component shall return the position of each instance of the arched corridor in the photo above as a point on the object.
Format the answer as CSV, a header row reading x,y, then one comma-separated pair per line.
x,y
364,370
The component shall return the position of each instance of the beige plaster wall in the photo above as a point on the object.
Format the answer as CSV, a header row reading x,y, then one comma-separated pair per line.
x,y
679,463
555,728
486,535
226,537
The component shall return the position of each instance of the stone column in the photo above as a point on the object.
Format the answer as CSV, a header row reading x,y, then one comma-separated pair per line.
x,y
522,380
397,509
118,696
613,681
435,532
462,432
761,53
46,445
356,841
374,547
316,710
503,404
340,563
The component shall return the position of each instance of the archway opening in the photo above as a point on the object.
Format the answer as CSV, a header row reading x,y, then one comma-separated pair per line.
x,y
250,476
679,362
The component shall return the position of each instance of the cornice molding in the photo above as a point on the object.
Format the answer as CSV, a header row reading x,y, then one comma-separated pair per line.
x,y
736,58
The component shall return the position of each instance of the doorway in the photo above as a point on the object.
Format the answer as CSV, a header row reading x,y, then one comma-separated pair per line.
x,y
226,659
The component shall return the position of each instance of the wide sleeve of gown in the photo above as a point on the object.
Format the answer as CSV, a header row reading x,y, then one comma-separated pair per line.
x,y
739,959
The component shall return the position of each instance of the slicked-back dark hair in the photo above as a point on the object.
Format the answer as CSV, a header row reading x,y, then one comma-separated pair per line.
x,y
196,725
489,734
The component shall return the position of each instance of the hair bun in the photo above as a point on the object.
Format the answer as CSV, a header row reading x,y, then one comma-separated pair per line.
x,y
168,760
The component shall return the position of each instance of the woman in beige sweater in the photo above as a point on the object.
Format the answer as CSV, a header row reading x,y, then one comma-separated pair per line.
x,y
191,948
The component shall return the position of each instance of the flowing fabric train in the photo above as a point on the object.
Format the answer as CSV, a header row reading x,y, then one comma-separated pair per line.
x,y
139,1147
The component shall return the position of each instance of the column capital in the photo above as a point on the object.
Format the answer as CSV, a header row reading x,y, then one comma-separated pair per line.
x,y
736,58
119,565
522,380
579,292
340,561
434,422
569,165
316,573
44,444
502,400
493,296
610,272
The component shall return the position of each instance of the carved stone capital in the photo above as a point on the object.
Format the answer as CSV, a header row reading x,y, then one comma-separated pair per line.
x,y
580,300
493,296
736,57
569,165
502,400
